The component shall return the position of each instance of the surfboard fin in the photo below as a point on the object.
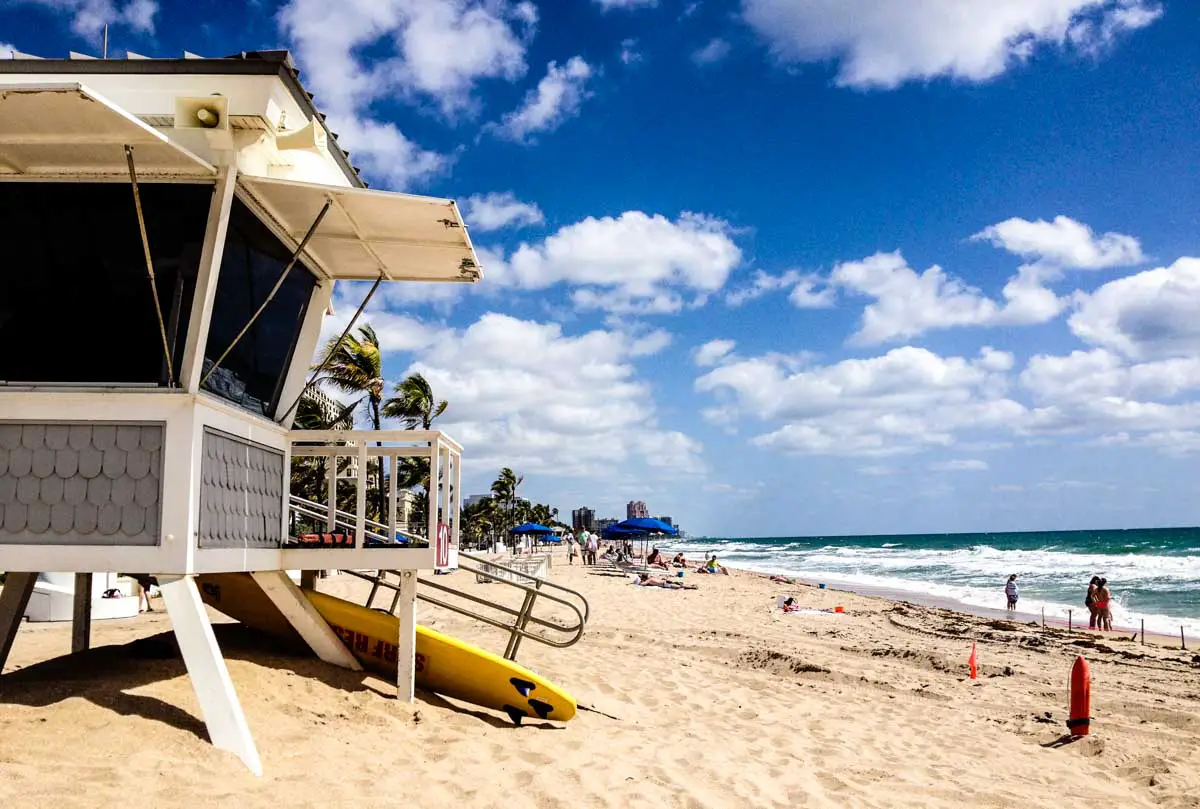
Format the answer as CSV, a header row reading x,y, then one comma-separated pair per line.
x,y
524,687
542,709
515,714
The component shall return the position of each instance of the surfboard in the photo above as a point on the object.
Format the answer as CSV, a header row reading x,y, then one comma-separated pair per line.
x,y
444,664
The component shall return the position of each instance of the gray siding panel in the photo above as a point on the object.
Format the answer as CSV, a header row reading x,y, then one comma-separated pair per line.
x,y
241,493
80,484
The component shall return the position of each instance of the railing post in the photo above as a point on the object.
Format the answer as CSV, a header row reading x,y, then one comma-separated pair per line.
x,y
391,515
360,515
514,640
435,457
331,517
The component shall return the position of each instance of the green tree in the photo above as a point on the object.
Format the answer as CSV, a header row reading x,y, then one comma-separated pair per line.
x,y
355,367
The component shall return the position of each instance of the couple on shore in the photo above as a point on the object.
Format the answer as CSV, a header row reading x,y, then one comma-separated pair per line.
x,y
1097,602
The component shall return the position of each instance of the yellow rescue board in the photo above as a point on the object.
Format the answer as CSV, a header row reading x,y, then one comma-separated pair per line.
x,y
445,665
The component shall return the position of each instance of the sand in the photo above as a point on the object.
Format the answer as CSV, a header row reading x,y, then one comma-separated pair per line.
x,y
710,698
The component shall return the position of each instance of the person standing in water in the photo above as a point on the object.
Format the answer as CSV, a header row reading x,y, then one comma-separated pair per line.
x,y
1103,609
1010,591
1090,601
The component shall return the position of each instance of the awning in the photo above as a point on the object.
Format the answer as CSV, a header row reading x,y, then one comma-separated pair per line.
x,y
369,233
60,131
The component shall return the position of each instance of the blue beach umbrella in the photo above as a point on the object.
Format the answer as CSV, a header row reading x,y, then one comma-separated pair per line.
x,y
647,525
531,528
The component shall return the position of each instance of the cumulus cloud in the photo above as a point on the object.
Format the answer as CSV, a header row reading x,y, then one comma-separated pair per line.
x,y
629,53
715,51
1063,243
904,401
88,17
434,50
525,394
486,212
1150,314
884,44
609,5
632,263
807,291
557,98
713,352
960,465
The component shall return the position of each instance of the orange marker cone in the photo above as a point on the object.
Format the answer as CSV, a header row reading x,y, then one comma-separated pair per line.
x,y
1079,723
971,662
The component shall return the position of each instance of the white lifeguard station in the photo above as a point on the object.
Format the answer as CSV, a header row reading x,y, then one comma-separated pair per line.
x,y
172,231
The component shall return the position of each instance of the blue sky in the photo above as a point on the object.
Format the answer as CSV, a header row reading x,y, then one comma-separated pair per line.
x,y
777,267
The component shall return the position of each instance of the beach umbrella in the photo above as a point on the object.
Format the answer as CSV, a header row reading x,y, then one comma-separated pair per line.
x,y
531,528
647,526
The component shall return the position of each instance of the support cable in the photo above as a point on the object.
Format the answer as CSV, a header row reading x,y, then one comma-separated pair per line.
x,y
162,325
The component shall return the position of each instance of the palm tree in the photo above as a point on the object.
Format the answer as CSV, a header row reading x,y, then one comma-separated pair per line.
x,y
504,488
355,366
415,405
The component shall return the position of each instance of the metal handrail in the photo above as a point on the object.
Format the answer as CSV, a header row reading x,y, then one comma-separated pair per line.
x,y
344,520
520,619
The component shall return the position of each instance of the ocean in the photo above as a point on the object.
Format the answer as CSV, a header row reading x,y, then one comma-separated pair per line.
x,y
1154,573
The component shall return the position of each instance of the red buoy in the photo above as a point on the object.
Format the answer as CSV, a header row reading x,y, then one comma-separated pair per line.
x,y
1081,699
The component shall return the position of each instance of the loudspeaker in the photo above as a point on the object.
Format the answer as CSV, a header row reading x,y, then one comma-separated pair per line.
x,y
205,112
311,137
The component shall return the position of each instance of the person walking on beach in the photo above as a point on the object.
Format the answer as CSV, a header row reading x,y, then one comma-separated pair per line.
x,y
1103,609
589,549
1090,601
1010,591
572,549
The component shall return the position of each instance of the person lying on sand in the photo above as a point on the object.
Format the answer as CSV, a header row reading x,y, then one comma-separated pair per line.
x,y
655,559
782,580
790,605
646,580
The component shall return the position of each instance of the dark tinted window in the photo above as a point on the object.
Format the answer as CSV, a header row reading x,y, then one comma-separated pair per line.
x,y
253,372
75,301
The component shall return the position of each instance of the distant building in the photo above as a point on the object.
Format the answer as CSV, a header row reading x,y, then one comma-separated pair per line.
x,y
583,519
636,509
475,498
668,520
605,522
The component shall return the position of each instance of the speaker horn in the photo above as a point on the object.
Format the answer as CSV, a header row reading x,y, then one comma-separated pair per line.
x,y
311,137
206,112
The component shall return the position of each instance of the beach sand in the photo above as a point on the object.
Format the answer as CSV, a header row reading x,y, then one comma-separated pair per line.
x,y
710,698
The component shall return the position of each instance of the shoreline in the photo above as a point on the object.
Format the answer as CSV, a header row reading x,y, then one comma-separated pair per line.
x,y
899,596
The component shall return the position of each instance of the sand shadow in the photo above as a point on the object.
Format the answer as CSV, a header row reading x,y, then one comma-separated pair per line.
x,y
1061,741
105,675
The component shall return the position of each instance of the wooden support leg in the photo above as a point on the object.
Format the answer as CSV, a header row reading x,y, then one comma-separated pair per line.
x,y
304,618
308,579
14,598
227,727
406,646
81,619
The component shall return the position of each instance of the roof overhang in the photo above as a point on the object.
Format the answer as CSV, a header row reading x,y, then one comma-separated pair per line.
x,y
370,234
67,131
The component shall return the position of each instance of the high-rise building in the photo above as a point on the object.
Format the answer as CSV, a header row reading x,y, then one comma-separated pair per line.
x,y
583,519
475,498
605,522
636,509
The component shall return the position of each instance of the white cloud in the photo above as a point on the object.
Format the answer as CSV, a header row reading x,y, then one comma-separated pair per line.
x,y
908,303
960,465
629,52
806,290
1151,314
904,401
715,51
557,97
526,395
435,49
884,44
878,471
90,16
7,50
1063,243
609,5
632,263
713,352
485,212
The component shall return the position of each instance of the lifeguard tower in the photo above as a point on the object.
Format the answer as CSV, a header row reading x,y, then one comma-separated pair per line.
x,y
172,232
